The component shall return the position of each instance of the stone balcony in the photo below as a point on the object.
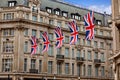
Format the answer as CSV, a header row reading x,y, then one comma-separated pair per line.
x,y
60,58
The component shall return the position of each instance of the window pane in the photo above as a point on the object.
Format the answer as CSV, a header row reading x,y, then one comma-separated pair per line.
x,y
89,55
40,65
72,53
102,71
8,47
89,70
33,32
72,68
33,61
66,52
25,64
7,65
25,46
50,52
59,68
49,66
50,36
26,32
66,68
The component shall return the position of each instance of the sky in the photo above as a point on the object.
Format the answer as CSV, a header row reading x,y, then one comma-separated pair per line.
x,y
95,5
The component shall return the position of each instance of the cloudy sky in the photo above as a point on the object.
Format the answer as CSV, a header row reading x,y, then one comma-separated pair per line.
x,y
97,5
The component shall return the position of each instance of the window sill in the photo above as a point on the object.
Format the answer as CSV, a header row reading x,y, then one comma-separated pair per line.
x,y
8,53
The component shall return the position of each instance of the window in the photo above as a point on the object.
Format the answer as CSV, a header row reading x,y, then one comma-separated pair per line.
x,y
84,70
41,19
72,68
96,55
111,71
50,36
66,39
98,22
83,41
95,31
33,61
110,45
102,57
59,68
51,22
66,25
76,16
8,32
66,52
66,68
73,16
49,10
57,12
26,46
7,65
34,32
96,71
27,16
89,70
34,18
89,55
78,53
8,47
40,48
58,50
95,44
50,66
59,24
78,70
26,32
72,53
65,14
102,71
84,54
25,64
88,42
108,33
101,33
11,3
50,52
41,34
8,16
78,42
34,8
40,65
78,27
102,45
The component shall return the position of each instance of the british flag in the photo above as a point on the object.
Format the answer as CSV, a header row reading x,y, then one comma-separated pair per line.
x,y
59,36
46,42
34,45
89,25
74,32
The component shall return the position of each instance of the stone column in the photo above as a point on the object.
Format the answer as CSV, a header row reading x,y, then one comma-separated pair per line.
x,y
18,51
0,50
45,62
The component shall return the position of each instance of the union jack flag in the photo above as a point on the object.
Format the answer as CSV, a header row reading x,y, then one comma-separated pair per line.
x,y
89,24
74,32
46,42
59,36
34,45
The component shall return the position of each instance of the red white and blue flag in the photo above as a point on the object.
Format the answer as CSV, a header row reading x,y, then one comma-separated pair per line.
x,y
74,32
89,25
59,36
46,42
34,45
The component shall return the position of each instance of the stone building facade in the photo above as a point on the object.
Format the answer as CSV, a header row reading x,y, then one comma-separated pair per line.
x,y
116,38
21,19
